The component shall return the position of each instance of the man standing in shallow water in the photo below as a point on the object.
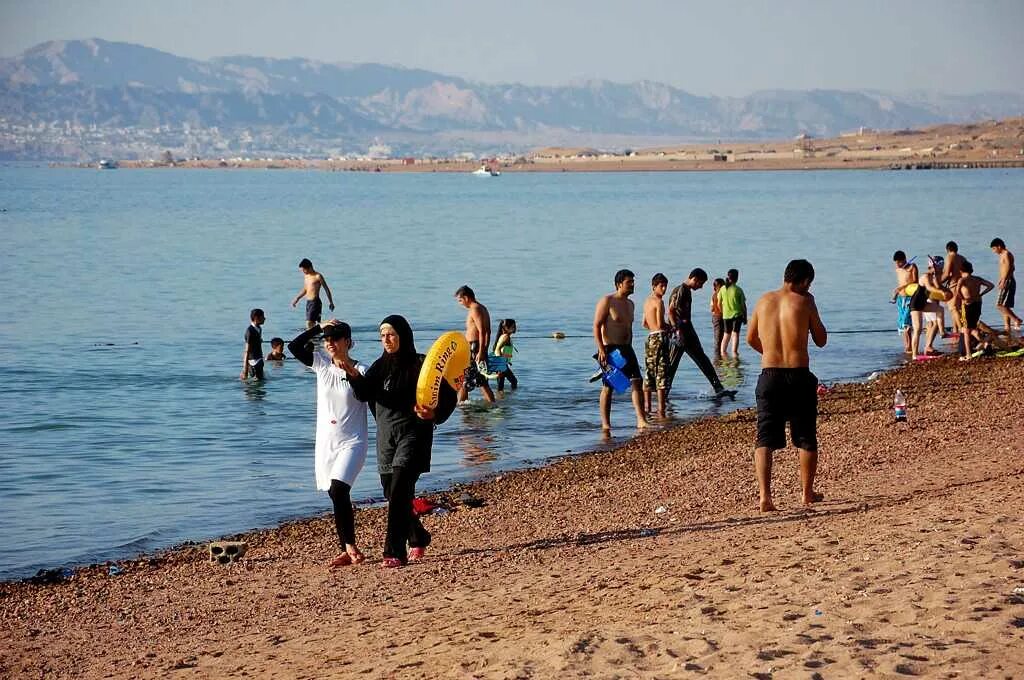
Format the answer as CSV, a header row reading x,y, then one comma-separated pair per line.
x,y
613,330
478,333
787,390
312,280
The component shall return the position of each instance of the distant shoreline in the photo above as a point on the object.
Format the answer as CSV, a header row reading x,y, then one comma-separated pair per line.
x,y
994,144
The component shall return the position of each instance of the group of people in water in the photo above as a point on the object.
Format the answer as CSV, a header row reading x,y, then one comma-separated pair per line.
x,y
778,329
949,284
347,389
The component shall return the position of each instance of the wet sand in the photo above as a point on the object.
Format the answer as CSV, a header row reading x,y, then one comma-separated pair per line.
x,y
908,568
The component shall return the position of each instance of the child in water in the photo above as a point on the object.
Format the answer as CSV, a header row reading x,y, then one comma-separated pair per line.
x,y
276,350
503,347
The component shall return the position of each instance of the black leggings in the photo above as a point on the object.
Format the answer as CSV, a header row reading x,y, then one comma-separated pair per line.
x,y
511,379
403,525
344,518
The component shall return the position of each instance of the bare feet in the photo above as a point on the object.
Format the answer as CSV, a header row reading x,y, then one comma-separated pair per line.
x,y
816,497
641,424
355,555
768,506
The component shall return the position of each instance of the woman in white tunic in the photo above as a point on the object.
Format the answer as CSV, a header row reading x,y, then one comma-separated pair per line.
x,y
341,437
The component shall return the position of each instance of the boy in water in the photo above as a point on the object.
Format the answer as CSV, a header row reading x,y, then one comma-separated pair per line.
x,y
968,298
252,353
787,390
905,275
276,352
613,329
1007,288
656,348
312,281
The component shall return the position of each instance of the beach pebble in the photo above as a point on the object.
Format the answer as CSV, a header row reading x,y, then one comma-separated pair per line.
x,y
660,510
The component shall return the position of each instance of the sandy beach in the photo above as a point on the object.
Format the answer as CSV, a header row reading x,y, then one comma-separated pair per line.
x,y
650,560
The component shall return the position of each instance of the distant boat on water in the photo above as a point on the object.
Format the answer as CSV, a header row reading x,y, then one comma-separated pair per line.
x,y
107,165
484,171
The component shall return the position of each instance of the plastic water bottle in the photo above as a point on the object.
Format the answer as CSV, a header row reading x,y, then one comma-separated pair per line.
x,y
899,407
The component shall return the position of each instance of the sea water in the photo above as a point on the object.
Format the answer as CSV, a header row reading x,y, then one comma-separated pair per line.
x,y
124,427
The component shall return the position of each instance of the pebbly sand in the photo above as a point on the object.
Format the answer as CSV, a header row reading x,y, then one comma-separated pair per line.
x,y
908,568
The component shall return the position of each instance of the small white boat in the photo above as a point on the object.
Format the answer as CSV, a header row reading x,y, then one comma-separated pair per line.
x,y
484,171
107,165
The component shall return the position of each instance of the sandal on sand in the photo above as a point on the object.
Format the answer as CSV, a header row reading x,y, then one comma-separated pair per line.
x,y
357,557
416,554
391,563
342,560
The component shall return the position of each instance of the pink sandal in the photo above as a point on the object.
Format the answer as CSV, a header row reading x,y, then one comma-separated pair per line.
x,y
416,554
342,560
391,563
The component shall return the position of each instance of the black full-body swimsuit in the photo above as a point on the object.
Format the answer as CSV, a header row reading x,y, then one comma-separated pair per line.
x,y
404,440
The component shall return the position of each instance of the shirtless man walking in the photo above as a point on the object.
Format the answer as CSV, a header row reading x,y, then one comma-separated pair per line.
x,y
656,348
787,390
311,283
613,330
1007,287
478,332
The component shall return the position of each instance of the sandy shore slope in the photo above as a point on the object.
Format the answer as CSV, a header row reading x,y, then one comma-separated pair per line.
x,y
909,568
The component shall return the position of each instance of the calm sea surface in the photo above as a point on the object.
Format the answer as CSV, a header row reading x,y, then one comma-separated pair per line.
x,y
124,427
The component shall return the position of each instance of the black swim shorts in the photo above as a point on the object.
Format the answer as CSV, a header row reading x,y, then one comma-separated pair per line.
x,y
787,395
732,325
972,314
474,378
1007,293
314,308
632,367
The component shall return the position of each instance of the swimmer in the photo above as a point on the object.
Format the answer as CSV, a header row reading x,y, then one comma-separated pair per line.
x,y
967,296
906,274
276,352
1007,287
478,332
503,347
312,281
252,354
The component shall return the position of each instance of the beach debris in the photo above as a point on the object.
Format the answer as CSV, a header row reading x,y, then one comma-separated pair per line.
x,y
822,389
48,576
660,510
471,501
423,506
818,612
226,552
1019,590
874,376
114,570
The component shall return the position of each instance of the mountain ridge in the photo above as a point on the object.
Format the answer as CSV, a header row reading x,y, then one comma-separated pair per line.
x,y
304,106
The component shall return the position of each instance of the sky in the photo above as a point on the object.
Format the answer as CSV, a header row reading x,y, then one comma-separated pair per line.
x,y
722,47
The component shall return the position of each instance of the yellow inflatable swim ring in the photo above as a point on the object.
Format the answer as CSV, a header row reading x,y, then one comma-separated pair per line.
x,y
447,359
934,295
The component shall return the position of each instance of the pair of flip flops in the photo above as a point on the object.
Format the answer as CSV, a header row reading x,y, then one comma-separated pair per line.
x,y
346,560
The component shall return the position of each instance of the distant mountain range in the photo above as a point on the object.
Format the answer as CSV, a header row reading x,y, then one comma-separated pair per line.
x,y
87,98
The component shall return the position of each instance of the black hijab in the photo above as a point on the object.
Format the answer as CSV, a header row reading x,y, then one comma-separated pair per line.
x,y
397,373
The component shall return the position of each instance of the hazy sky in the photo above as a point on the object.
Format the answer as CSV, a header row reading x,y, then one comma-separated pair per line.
x,y
716,47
